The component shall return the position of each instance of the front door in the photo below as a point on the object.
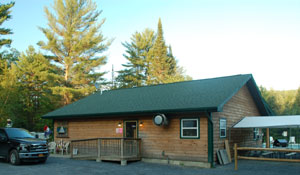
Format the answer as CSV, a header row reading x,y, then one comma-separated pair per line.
x,y
130,128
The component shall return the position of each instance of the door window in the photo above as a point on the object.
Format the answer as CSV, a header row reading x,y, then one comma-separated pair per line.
x,y
2,135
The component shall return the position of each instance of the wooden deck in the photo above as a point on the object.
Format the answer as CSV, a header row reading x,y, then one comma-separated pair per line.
x,y
112,149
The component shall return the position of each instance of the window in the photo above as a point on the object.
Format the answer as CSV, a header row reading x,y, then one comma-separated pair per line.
x,y
18,133
255,133
62,129
222,127
189,128
2,135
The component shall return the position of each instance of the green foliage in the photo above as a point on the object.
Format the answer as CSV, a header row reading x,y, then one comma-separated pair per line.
x,y
75,40
150,61
136,72
283,103
26,91
7,57
9,90
36,77
5,15
162,64
296,105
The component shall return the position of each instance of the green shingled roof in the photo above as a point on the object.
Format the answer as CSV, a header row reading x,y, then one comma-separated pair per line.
x,y
197,95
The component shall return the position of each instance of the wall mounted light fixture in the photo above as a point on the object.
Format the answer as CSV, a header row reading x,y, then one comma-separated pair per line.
x,y
141,124
119,124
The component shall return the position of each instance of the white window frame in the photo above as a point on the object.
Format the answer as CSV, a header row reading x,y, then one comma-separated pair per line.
x,y
223,120
182,128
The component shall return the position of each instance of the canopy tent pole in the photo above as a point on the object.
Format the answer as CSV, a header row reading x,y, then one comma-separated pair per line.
x,y
268,138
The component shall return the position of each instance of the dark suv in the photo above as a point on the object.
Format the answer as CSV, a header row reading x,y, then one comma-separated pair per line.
x,y
18,145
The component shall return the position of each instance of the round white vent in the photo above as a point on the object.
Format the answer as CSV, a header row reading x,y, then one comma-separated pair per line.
x,y
160,120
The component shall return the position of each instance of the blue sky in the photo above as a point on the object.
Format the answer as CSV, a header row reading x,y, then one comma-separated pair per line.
x,y
209,38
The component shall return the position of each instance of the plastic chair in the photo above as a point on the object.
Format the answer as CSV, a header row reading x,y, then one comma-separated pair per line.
x,y
65,148
292,140
271,140
52,147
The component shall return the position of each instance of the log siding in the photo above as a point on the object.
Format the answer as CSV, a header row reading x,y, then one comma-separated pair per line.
x,y
164,142
239,106
159,142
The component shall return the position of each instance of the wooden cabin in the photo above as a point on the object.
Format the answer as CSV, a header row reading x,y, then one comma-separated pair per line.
x,y
182,123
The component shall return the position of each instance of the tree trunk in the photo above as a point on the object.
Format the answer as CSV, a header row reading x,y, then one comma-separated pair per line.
x,y
66,96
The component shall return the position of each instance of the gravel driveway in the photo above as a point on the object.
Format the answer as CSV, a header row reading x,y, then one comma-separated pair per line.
x,y
64,166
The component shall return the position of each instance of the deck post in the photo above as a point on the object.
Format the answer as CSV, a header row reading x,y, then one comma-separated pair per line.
x,y
122,149
235,157
140,148
123,162
99,150
71,149
268,138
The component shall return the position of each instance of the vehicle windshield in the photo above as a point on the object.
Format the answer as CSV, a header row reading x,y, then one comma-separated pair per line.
x,y
18,133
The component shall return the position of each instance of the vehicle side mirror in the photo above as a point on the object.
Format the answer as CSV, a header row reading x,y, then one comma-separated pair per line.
x,y
3,139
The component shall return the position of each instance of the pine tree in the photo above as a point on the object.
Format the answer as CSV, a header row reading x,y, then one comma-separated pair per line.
x,y
135,71
75,40
176,73
7,57
158,67
150,61
163,66
36,78
5,15
9,89
9,94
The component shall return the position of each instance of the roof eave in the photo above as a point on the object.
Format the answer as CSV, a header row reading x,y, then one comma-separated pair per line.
x,y
220,107
117,114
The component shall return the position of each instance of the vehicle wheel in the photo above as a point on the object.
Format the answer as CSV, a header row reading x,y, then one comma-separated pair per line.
x,y
14,157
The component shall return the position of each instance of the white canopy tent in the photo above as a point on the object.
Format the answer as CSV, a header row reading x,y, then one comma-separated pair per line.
x,y
288,121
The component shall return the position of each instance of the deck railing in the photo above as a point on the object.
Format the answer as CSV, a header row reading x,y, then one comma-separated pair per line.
x,y
115,149
266,151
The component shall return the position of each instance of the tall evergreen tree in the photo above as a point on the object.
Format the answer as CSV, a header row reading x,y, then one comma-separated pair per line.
x,y
159,60
5,15
9,86
5,58
36,78
137,50
176,73
163,66
9,94
150,61
75,40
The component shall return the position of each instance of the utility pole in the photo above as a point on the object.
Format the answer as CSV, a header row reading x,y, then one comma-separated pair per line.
x,y
112,77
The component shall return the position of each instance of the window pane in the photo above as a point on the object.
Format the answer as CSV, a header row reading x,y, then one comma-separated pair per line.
x,y
255,133
18,133
222,123
189,132
223,133
189,123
